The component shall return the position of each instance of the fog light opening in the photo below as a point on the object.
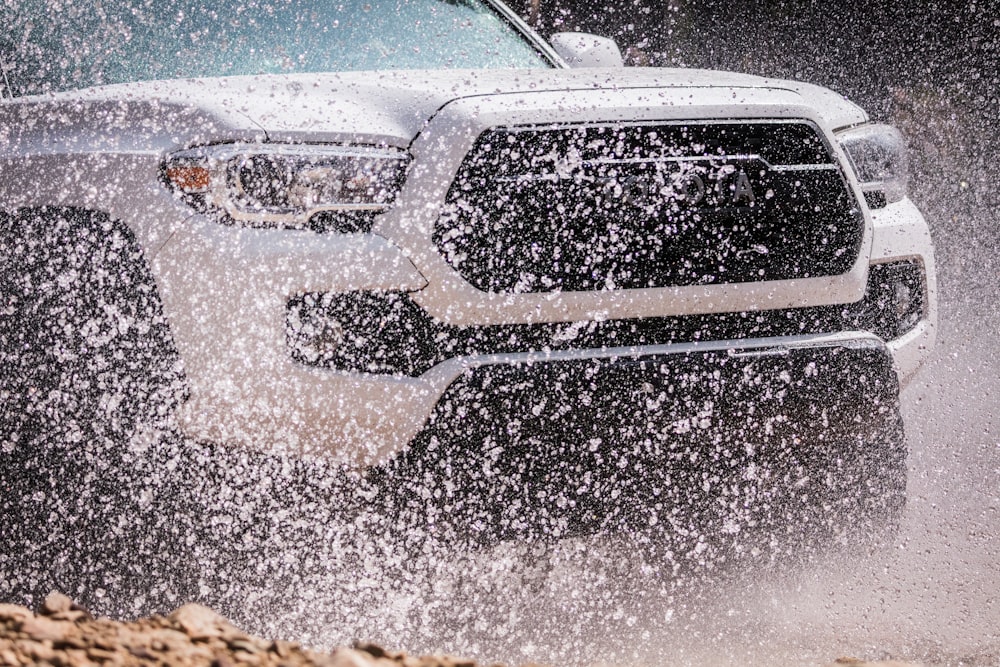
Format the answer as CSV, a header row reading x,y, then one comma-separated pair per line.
x,y
319,340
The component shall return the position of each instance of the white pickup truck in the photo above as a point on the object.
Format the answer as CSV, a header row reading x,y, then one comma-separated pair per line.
x,y
417,239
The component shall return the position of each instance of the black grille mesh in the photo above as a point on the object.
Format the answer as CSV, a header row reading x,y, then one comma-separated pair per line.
x,y
601,207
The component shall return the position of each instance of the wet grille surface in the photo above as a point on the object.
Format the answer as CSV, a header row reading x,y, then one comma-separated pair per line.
x,y
587,208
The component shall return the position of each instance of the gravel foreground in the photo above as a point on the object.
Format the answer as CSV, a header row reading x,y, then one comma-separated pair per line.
x,y
62,634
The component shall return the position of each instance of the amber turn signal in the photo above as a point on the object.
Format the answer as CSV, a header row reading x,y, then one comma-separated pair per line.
x,y
190,179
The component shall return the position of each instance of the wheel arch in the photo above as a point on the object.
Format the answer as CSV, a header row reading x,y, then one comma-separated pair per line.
x,y
82,315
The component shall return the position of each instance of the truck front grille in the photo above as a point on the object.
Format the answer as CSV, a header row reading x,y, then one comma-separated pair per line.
x,y
607,207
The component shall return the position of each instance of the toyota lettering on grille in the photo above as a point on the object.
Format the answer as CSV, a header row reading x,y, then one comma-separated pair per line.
x,y
652,183
721,187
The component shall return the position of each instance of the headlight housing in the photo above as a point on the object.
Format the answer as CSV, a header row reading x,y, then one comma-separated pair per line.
x,y
878,156
295,186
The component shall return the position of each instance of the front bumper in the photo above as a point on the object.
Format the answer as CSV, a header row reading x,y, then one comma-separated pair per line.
x,y
248,388
730,437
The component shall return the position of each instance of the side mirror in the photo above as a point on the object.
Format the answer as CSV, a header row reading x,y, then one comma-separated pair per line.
x,y
580,49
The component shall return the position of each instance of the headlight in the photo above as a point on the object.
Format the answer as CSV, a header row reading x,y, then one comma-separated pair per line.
x,y
878,155
292,186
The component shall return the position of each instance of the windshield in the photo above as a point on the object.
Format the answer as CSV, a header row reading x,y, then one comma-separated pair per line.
x,y
56,45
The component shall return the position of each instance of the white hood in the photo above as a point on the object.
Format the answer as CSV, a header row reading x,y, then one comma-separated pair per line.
x,y
359,107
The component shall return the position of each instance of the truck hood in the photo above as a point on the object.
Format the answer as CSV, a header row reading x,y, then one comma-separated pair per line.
x,y
388,108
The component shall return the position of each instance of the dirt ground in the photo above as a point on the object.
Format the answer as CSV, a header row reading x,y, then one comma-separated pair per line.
x,y
63,634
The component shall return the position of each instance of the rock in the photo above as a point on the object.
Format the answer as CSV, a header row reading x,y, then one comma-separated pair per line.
x,y
100,654
201,623
55,603
373,650
74,658
12,612
73,616
61,608
348,657
161,640
245,645
70,642
282,649
41,652
141,652
40,628
242,658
